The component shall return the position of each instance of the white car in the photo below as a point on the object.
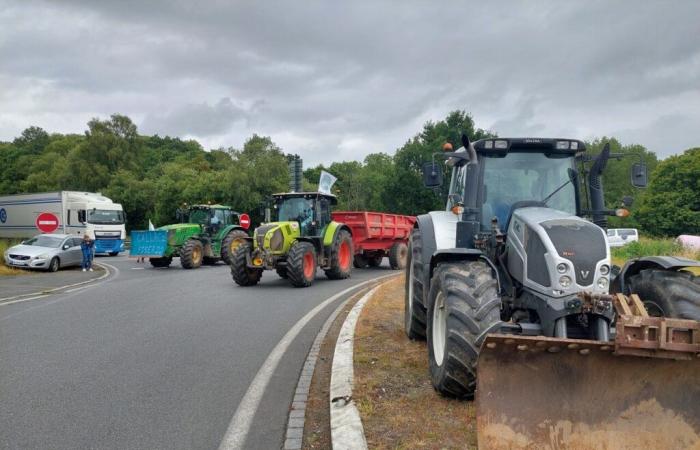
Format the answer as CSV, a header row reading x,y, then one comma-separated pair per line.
x,y
46,251
618,237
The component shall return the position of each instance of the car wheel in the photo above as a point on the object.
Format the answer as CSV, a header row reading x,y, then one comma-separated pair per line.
x,y
54,265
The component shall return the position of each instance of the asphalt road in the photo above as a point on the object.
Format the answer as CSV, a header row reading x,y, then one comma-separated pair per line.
x,y
153,358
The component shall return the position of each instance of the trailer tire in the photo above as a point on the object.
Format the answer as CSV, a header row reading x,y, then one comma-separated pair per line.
x,y
375,260
667,293
161,262
232,241
191,254
463,307
301,264
359,261
240,272
282,272
398,254
415,316
341,256
54,265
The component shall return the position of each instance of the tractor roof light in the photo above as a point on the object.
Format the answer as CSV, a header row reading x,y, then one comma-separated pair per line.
x,y
447,147
458,210
501,144
563,145
622,212
488,144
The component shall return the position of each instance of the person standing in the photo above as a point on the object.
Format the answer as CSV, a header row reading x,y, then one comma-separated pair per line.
x,y
87,247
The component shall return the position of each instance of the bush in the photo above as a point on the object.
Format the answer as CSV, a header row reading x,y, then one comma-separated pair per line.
x,y
652,247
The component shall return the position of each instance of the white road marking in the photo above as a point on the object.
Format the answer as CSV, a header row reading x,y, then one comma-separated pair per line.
x,y
239,427
24,299
137,268
75,289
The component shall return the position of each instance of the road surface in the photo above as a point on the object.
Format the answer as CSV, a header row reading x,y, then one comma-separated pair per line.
x,y
153,358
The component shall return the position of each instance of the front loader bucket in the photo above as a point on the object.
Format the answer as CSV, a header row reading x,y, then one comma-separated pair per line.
x,y
152,243
550,393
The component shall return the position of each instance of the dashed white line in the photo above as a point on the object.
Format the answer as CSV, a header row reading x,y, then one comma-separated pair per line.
x,y
25,299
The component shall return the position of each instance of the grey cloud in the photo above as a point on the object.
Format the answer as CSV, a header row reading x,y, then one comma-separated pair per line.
x,y
195,119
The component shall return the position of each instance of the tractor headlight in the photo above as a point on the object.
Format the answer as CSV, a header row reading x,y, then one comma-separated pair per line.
x,y
565,281
603,283
604,269
562,267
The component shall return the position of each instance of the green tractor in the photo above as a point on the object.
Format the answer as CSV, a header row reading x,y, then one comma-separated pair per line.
x,y
205,235
302,238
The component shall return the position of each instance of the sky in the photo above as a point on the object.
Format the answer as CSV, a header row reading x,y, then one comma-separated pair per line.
x,y
336,81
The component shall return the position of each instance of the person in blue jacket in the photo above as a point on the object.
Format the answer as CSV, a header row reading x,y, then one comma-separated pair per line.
x,y
87,246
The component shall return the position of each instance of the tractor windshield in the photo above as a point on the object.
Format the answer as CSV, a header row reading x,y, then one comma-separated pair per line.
x,y
296,209
526,177
199,216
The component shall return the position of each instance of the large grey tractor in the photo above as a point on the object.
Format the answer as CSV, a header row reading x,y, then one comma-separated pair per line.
x,y
513,287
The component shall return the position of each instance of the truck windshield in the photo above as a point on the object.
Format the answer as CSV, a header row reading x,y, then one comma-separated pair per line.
x,y
105,216
526,176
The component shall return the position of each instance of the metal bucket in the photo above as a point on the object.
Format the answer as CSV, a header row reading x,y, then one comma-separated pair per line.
x,y
550,393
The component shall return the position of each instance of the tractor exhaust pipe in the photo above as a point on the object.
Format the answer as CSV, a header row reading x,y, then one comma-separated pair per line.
x,y
470,222
595,187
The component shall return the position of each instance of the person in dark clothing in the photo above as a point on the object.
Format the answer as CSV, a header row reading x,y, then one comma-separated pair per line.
x,y
87,246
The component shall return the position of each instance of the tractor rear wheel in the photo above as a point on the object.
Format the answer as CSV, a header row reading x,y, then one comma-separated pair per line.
x,y
232,240
398,254
463,306
161,262
341,256
375,260
301,264
415,316
359,261
668,294
191,254
240,272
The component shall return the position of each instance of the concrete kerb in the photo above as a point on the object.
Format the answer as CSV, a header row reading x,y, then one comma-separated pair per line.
x,y
46,292
346,425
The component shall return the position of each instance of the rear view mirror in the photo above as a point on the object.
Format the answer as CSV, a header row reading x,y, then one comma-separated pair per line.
x,y
432,175
66,246
639,175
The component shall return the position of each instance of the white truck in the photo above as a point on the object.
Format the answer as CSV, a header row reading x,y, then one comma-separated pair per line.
x,y
69,212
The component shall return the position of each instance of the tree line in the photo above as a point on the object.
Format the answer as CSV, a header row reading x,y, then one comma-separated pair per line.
x,y
151,176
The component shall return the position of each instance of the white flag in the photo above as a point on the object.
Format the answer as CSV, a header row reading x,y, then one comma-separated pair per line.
x,y
150,225
326,182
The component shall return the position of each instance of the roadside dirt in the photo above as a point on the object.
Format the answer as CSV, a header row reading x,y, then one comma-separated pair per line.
x,y
397,403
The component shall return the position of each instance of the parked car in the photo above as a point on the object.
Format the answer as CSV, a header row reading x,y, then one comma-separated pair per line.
x,y
617,237
46,251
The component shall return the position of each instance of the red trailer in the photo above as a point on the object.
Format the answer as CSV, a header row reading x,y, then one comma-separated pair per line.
x,y
376,235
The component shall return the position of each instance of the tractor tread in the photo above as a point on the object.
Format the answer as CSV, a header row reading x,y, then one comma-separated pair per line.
x,y
186,257
226,254
240,272
677,294
414,325
295,264
336,272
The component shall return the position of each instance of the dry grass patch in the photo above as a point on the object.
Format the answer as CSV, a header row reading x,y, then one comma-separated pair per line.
x,y
5,270
397,403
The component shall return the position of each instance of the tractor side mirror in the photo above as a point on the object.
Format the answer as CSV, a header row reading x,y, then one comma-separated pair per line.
x,y
639,175
432,175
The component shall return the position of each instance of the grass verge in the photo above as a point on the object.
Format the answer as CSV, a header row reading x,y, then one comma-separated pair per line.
x,y
652,247
397,403
5,270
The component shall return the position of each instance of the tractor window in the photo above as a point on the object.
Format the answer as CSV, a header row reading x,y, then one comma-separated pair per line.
x,y
325,212
218,217
525,177
297,209
199,216
458,183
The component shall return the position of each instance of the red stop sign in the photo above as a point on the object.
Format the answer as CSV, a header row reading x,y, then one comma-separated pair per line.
x,y
46,222
244,220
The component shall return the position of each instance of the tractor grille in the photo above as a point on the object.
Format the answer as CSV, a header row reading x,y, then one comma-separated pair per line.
x,y
261,232
580,242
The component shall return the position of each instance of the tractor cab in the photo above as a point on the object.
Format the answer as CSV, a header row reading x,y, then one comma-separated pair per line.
x,y
211,217
311,210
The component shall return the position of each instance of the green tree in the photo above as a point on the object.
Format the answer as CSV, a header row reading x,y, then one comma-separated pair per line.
x,y
672,204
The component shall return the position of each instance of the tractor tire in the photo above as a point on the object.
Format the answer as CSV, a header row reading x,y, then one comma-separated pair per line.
x,y
463,307
668,294
230,243
240,272
282,272
54,265
398,254
359,261
375,260
161,262
301,264
415,315
341,256
191,254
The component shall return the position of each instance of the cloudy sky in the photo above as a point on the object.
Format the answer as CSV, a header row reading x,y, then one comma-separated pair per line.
x,y
337,80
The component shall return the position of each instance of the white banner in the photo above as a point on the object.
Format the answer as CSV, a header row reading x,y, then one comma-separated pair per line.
x,y
150,225
326,182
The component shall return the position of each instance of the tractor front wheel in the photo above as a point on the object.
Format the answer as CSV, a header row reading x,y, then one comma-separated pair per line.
x,y
341,256
301,264
240,272
191,254
230,243
668,294
463,306
398,254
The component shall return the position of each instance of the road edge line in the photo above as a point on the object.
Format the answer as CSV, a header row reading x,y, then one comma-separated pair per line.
x,y
239,427
46,292
346,425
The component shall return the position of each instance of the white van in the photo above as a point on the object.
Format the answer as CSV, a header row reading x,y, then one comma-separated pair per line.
x,y
617,237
